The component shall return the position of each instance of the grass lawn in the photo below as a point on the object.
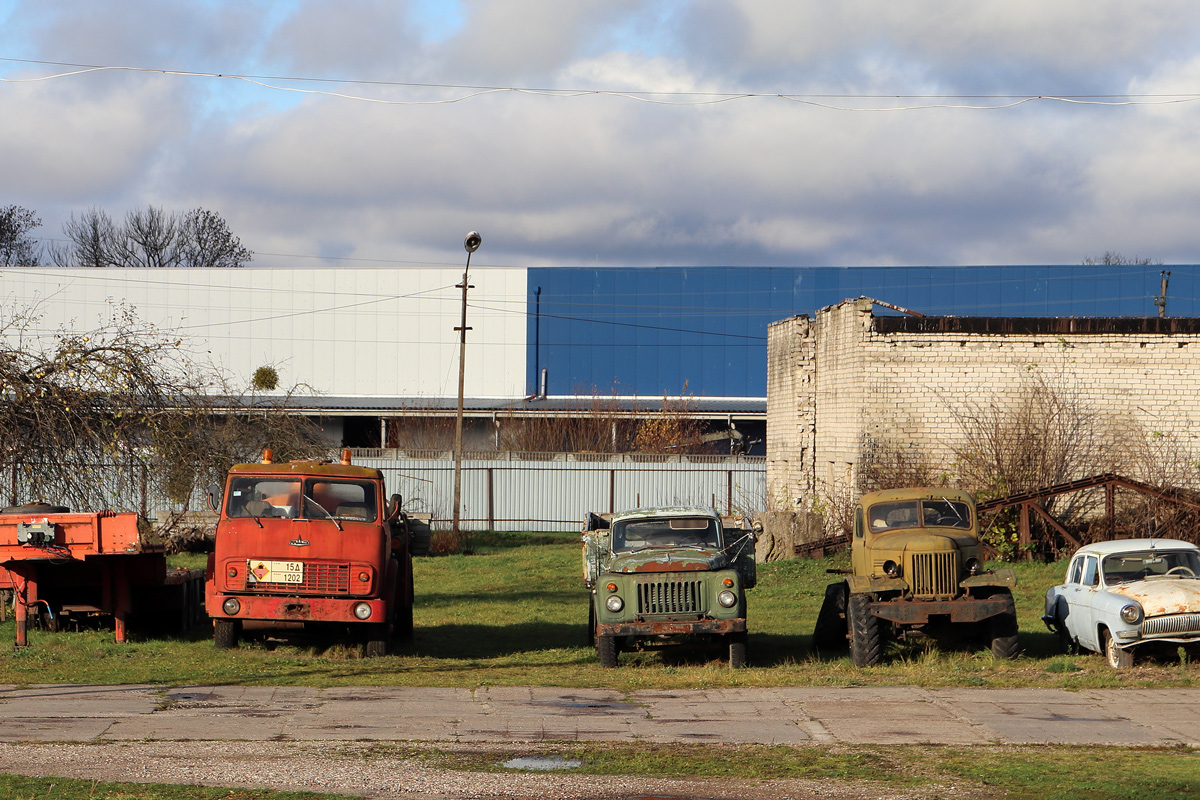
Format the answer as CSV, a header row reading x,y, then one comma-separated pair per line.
x,y
515,614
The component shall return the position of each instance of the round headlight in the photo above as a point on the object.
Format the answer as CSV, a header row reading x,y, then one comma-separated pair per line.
x,y
1131,613
727,599
614,603
231,606
362,611
891,568
973,566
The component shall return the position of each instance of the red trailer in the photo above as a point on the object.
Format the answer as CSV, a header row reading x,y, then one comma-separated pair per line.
x,y
64,568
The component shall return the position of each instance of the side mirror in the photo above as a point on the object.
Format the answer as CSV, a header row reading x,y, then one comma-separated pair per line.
x,y
213,494
395,503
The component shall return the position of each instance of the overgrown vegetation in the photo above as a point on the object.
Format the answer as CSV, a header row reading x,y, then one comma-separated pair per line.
x,y
19,787
93,419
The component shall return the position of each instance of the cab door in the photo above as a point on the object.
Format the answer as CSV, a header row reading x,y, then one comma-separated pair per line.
x,y
1083,584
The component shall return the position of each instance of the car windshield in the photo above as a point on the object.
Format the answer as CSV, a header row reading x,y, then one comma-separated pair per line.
x,y
916,513
678,532
1125,567
312,498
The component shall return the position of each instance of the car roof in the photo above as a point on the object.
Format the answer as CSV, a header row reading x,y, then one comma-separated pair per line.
x,y
659,513
1130,545
916,493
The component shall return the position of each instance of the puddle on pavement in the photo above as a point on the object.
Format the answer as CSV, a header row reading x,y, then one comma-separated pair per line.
x,y
542,762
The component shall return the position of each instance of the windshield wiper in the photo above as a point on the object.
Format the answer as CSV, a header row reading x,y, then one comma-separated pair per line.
x,y
321,508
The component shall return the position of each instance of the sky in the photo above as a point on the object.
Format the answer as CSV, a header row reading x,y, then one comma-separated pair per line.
x,y
618,132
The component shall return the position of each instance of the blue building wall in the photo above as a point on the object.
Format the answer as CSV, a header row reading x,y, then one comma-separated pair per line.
x,y
650,331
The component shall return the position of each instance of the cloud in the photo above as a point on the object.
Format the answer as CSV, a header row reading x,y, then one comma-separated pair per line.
x,y
614,180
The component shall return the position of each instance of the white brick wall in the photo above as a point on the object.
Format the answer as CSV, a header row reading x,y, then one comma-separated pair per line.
x,y
835,381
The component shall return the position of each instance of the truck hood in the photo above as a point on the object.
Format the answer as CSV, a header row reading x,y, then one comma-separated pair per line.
x,y
1163,595
669,559
924,540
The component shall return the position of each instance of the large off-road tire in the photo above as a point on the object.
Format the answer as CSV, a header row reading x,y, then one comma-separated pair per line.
x,y
1003,633
591,628
226,633
1116,657
376,643
830,630
404,623
866,632
737,650
606,649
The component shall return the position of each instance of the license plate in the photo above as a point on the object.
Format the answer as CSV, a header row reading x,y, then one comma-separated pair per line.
x,y
275,571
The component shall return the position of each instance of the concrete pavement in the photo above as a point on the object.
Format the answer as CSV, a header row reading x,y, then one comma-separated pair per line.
x,y
786,715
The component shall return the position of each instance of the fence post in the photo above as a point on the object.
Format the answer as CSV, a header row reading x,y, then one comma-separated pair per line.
x,y
490,495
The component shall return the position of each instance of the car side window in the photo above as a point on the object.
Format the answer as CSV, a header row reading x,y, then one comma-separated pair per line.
x,y
1091,575
1075,574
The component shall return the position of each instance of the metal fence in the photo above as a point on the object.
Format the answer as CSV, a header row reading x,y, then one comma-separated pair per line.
x,y
553,491
504,491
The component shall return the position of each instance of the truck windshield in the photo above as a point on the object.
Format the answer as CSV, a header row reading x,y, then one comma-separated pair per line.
x,y
683,532
1124,567
917,513
314,498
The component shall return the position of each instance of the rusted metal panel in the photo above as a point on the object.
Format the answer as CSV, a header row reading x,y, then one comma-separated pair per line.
x,y
671,627
966,609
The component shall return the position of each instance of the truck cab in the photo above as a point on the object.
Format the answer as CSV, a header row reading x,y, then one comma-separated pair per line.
x,y
309,545
656,576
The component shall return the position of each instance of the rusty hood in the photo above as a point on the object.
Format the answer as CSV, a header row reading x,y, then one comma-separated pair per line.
x,y
669,559
1163,595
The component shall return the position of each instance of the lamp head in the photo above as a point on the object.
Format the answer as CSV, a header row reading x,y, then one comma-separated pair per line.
x,y
472,242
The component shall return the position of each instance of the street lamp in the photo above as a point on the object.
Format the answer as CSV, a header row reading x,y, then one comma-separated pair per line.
x,y
470,244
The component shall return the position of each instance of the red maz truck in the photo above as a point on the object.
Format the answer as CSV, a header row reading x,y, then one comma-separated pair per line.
x,y
309,545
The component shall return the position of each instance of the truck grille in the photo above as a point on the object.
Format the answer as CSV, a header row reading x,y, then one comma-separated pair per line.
x,y
934,574
318,579
1175,623
669,597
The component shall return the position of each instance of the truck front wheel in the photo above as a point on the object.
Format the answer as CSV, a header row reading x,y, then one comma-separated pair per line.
x,y
377,640
1004,635
225,633
866,632
737,650
606,649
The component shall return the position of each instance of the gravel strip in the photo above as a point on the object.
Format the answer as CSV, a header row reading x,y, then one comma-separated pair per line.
x,y
355,769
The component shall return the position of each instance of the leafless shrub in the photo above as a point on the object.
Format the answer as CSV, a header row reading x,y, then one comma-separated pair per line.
x,y
590,423
674,429
887,465
1046,435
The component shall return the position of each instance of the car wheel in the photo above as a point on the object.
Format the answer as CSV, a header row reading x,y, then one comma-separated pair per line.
x,y
606,649
1117,658
866,632
1066,642
225,633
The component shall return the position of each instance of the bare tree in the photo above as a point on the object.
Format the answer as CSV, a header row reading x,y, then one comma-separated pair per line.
x,y
1112,258
206,241
17,247
151,237
86,416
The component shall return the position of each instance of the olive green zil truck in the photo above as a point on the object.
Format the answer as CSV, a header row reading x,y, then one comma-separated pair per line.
x,y
662,576
917,568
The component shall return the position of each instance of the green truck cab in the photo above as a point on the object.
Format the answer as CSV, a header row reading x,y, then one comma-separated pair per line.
x,y
663,575
917,568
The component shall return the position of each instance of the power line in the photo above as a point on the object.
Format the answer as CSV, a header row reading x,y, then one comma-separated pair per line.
x,y
671,98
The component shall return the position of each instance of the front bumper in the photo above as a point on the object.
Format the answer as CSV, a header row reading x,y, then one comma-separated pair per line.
x,y
918,612
672,627
297,609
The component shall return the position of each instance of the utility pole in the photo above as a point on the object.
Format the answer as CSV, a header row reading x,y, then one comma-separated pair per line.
x,y
471,244
1161,300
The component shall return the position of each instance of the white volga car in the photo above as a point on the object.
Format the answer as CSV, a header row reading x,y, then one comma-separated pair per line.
x,y
1126,595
